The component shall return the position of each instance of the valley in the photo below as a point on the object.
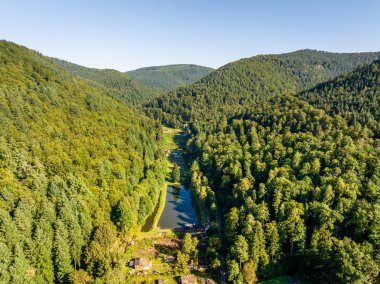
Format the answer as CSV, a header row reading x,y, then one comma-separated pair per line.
x,y
177,217
264,170
179,210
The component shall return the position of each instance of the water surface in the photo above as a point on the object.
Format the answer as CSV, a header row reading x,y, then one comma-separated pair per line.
x,y
179,209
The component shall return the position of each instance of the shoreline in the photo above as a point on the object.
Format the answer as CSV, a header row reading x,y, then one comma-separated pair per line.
x,y
152,221
161,206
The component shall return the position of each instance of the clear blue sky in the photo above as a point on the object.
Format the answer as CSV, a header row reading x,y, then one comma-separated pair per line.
x,y
125,35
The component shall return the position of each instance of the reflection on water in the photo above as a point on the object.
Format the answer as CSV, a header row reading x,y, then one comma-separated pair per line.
x,y
178,209
175,191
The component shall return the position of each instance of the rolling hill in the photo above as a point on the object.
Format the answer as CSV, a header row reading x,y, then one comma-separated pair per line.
x,y
171,76
355,96
233,87
117,84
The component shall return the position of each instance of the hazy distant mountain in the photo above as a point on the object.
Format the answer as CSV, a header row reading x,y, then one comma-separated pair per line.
x,y
171,76
119,85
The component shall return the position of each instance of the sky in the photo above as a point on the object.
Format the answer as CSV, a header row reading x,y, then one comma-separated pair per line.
x,y
127,35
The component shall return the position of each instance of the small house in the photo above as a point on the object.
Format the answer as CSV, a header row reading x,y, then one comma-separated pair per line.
x,y
167,153
142,264
188,279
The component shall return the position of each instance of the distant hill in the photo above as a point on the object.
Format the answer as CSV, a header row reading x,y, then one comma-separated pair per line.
x,y
118,85
233,87
171,76
355,96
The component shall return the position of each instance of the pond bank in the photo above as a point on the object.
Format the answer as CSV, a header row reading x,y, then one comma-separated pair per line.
x,y
179,211
152,221
175,207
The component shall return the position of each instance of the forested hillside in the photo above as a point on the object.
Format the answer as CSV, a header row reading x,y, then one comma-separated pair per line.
x,y
286,152
355,96
117,84
299,192
298,189
232,88
79,172
171,76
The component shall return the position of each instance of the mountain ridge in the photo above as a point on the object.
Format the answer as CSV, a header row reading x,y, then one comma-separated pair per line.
x,y
232,87
118,84
168,77
354,95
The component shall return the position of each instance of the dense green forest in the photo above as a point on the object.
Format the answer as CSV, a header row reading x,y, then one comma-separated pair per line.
x,y
355,96
171,76
286,147
298,188
117,84
79,173
232,88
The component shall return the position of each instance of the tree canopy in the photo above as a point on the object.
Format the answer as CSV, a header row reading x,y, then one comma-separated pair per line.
x,y
78,171
298,188
116,84
286,153
171,76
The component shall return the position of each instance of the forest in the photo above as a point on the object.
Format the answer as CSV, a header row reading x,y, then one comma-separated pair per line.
x,y
116,84
293,168
354,96
79,171
284,149
299,192
170,77
235,86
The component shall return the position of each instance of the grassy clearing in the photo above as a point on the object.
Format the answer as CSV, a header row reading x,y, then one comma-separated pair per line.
x,y
156,245
152,221
161,206
169,138
175,142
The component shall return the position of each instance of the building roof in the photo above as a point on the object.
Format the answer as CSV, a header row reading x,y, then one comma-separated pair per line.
x,y
142,262
188,279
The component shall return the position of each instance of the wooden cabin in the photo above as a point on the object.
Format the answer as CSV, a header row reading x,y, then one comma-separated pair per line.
x,y
188,279
142,263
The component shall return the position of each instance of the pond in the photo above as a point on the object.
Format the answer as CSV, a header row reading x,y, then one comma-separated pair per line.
x,y
179,209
